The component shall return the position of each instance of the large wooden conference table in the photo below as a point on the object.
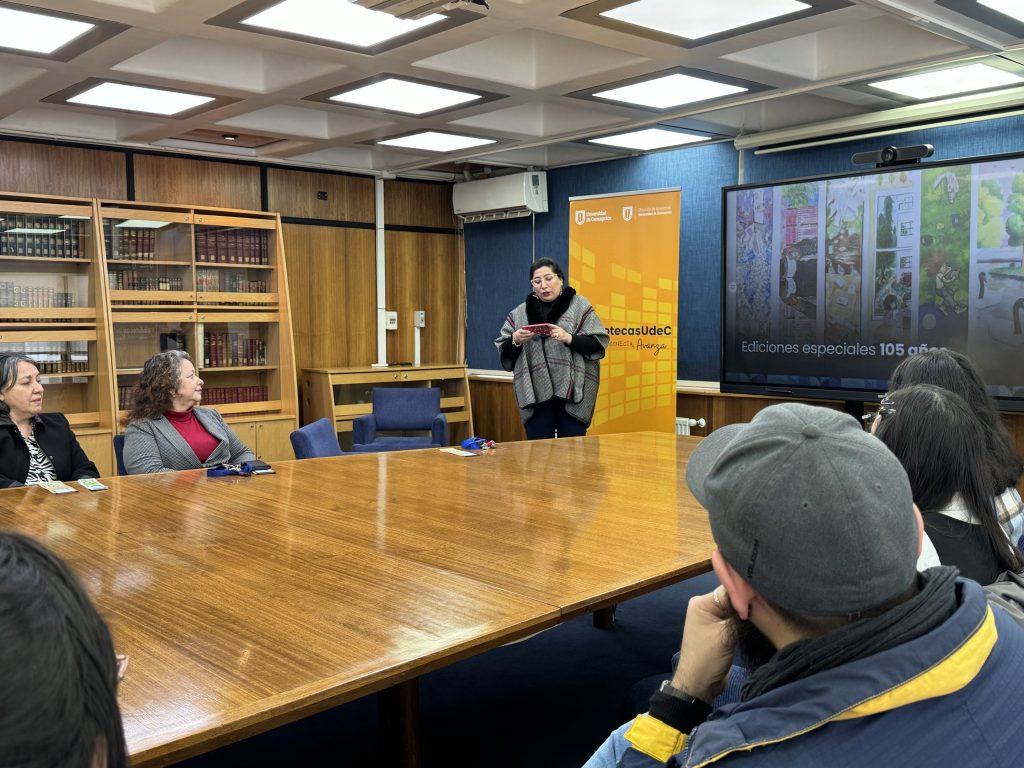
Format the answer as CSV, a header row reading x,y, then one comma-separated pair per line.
x,y
247,602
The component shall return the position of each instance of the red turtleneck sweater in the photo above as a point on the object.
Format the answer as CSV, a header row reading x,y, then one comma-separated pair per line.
x,y
199,440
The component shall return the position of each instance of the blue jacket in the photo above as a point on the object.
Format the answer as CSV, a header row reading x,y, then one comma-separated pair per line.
x,y
953,696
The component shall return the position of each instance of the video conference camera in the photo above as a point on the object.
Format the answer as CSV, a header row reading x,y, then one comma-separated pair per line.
x,y
882,158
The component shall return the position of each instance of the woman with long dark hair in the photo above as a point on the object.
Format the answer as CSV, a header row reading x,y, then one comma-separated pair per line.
x,y
58,701
941,444
954,371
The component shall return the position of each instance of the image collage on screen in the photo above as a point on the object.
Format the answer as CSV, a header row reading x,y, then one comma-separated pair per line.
x,y
831,282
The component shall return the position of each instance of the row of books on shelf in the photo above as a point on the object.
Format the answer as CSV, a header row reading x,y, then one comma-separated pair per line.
x,y
226,395
53,356
211,395
227,282
132,280
234,246
34,297
129,243
228,350
52,237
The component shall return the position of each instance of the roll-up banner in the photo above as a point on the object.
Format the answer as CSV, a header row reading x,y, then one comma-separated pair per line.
x,y
624,258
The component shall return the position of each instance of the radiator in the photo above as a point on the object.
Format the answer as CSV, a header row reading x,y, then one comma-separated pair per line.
x,y
683,425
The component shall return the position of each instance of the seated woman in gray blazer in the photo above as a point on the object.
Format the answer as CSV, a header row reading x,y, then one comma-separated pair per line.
x,y
167,430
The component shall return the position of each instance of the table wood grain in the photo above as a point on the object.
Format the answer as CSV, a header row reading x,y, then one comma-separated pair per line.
x,y
247,602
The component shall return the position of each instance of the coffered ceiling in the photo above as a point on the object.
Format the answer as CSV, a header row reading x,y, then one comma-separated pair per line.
x,y
532,66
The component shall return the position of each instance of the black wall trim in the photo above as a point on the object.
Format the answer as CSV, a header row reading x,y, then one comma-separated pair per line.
x,y
327,223
129,170
422,230
264,191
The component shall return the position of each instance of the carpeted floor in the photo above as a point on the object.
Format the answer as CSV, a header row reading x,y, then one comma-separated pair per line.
x,y
545,702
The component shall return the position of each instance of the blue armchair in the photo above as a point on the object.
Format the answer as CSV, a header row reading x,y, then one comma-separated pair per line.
x,y
316,440
404,409
119,454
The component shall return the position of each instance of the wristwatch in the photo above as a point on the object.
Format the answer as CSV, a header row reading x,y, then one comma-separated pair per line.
x,y
671,690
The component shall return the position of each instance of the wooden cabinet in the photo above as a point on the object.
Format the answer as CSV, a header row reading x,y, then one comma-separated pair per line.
x,y
269,439
53,309
210,282
342,394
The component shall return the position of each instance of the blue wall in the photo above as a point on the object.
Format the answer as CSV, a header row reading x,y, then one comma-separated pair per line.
x,y
498,254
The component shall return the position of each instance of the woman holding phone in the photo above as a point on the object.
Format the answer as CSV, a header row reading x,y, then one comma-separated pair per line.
x,y
553,343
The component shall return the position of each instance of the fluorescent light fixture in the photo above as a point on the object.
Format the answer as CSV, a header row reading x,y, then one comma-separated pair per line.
x,y
433,141
137,98
649,138
37,32
80,218
142,224
336,21
669,91
693,20
31,231
948,82
404,96
1011,8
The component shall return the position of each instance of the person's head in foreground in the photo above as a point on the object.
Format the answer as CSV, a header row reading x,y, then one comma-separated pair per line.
x,y
857,659
168,382
58,699
813,519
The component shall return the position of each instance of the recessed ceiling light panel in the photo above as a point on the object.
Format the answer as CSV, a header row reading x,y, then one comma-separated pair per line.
x,y
649,139
38,32
694,20
669,91
1012,8
338,22
950,82
137,98
398,95
435,141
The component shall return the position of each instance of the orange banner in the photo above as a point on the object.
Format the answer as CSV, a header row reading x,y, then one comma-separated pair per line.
x,y
624,258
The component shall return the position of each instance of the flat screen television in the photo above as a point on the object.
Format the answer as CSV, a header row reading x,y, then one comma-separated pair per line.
x,y
829,282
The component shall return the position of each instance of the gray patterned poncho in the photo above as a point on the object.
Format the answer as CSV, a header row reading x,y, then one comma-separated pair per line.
x,y
546,368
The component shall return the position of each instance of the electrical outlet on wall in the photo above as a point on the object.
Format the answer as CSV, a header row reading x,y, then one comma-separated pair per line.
x,y
419,319
391,320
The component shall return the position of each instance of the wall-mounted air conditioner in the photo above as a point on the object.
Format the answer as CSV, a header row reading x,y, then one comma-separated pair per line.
x,y
503,197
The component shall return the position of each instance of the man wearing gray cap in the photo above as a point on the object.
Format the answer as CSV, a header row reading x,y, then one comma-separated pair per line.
x,y
869,662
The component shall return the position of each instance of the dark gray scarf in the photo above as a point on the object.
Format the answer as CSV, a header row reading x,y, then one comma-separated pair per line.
x,y
935,603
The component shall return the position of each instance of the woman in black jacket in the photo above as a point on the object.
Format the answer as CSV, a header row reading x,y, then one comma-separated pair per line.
x,y
34,446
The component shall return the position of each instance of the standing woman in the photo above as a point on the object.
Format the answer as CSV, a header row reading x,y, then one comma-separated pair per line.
x,y
35,447
556,372
167,430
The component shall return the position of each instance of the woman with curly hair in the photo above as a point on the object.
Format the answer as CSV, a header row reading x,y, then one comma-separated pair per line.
x,y
167,430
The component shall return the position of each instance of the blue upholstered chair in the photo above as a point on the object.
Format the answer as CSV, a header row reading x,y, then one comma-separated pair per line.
x,y
401,409
316,440
119,454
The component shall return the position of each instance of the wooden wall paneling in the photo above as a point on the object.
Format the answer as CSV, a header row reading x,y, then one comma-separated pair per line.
x,y
332,287
294,194
695,406
423,272
197,182
53,170
418,204
495,413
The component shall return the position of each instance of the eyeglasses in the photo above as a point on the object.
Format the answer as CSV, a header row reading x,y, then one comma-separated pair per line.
x,y
886,407
547,279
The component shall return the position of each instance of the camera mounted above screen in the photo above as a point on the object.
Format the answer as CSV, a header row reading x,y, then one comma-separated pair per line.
x,y
887,156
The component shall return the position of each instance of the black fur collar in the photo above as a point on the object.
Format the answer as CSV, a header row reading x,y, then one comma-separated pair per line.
x,y
538,312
